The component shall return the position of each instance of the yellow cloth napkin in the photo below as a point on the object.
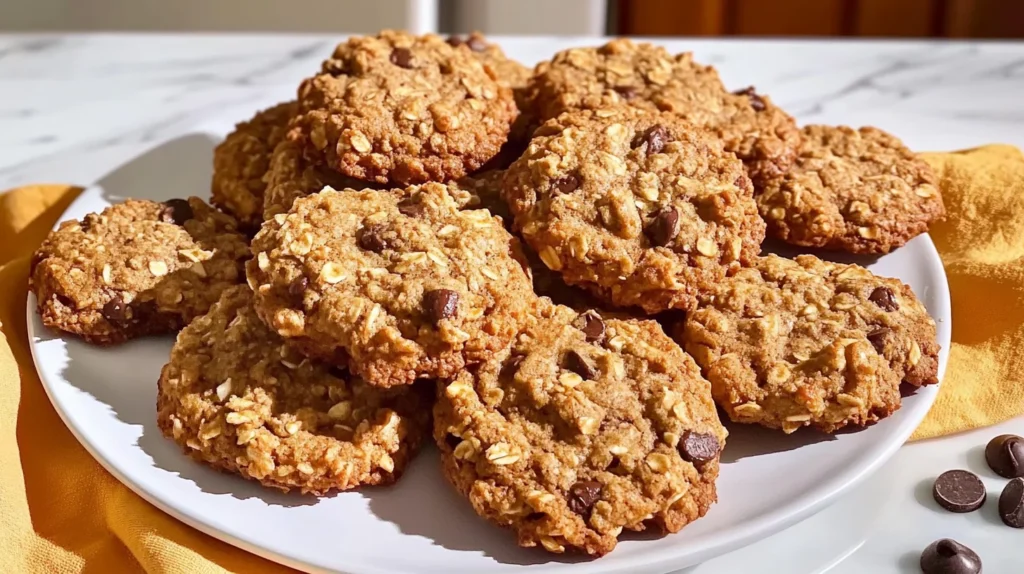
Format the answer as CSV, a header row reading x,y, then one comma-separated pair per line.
x,y
61,512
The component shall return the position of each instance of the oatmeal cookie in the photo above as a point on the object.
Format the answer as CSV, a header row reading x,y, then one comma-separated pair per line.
x,y
860,191
639,207
241,161
402,286
234,396
404,109
137,268
585,426
647,76
799,343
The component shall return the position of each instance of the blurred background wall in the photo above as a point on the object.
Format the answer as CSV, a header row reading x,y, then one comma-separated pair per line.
x,y
887,18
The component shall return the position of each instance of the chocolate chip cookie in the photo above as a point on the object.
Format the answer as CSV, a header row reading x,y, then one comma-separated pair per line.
x,y
585,426
799,343
638,207
241,161
647,76
402,286
403,109
234,396
137,268
860,191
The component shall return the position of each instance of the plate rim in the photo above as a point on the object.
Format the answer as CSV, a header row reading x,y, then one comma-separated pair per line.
x,y
769,523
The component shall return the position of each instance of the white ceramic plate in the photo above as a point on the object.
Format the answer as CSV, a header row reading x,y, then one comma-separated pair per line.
x,y
107,397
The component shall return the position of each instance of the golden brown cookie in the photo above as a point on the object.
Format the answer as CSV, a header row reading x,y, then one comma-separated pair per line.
x,y
241,161
638,207
647,76
403,109
860,191
138,268
234,396
788,344
403,285
585,426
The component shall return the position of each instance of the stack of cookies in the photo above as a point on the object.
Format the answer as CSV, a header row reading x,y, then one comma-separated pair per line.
x,y
446,244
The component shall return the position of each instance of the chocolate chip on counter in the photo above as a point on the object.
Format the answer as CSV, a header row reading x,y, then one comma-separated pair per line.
x,y
756,101
402,57
655,138
663,227
371,238
948,556
1005,455
440,304
116,311
627,92
176,211
698,448
411,208
959,491
1011,503
877,338
567,184
583,495
884,298
577,364
298,287
591,324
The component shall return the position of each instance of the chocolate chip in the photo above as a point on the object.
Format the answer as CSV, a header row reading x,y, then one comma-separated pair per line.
x,y
627,92
959,491
583,495
663,227
655,138
577,364
451,440
698,448
884,298
1005,455
1011,503
411,208
567,184
298,287
402,57
176,211
591,324
440,304
476,43
455,40
756,101
877,338
371,238
509,369
948,556
116,311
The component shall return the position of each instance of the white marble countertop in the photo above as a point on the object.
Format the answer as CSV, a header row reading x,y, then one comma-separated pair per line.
x,y
74,106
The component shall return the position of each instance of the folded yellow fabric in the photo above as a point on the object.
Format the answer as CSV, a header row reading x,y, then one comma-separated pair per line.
x,y
61,512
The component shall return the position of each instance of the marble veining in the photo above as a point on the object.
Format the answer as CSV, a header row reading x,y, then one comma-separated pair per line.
x,y
74,106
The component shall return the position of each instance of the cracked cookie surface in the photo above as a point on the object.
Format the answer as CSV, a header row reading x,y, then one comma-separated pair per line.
x,y
638,207
860,191
403,109
789,343
137,268
241,162
398,285
584,426
234,396
647,76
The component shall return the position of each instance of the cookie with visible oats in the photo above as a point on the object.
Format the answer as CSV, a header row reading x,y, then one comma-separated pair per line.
x,y
399,285
788,344
860,191
585,426
241,161
647,76
403,109
137,268
638,207
234,396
